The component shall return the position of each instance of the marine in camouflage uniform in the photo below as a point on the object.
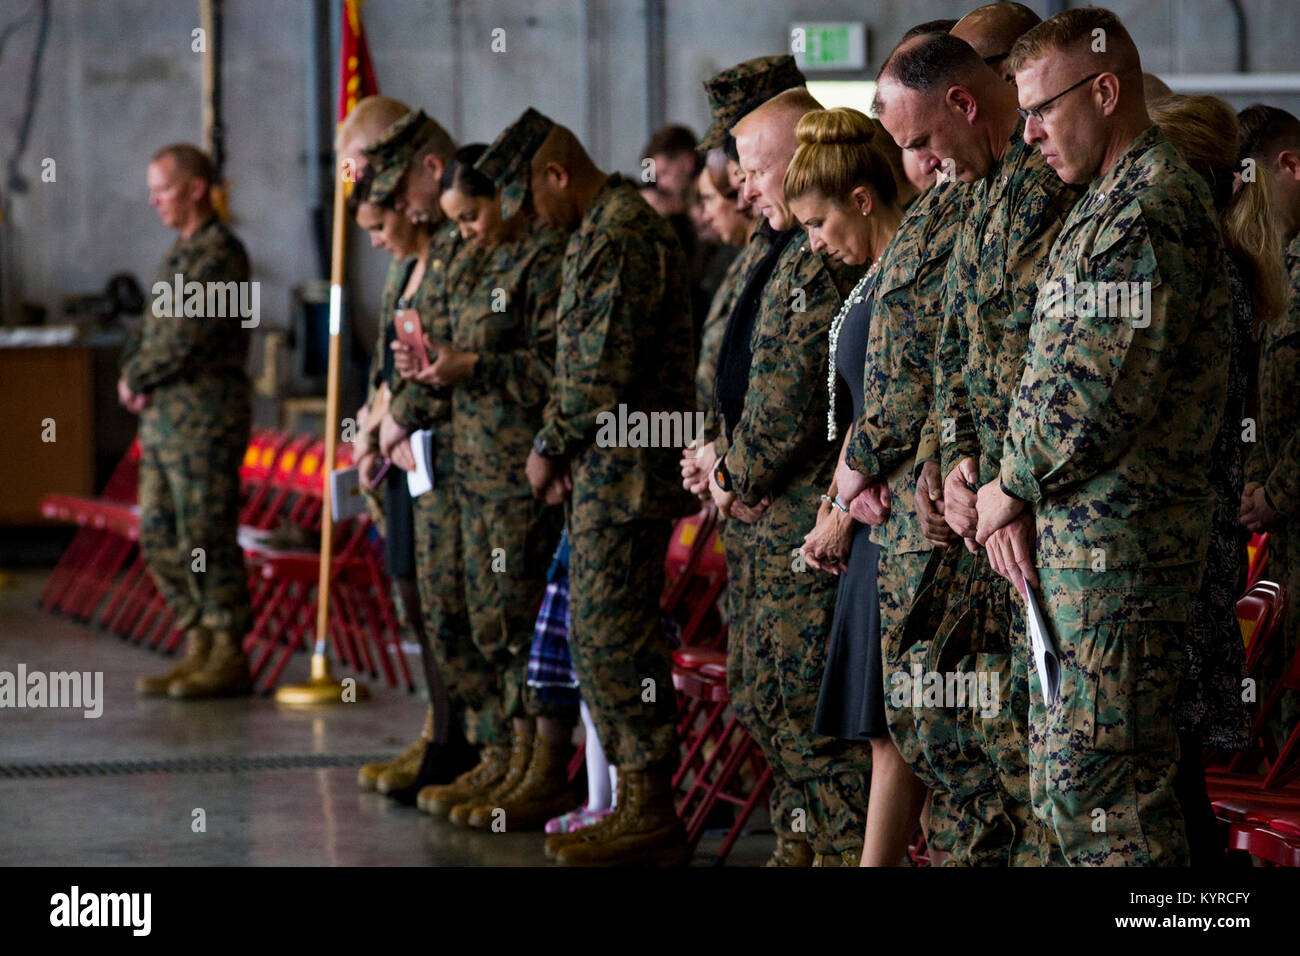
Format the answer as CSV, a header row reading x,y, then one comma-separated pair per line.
x,y
624,335
1274,462
1110,439
505,313
898,395
777,344
193,434
472,682
994,273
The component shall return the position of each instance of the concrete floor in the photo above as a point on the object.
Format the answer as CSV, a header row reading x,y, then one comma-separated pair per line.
x,y
263,817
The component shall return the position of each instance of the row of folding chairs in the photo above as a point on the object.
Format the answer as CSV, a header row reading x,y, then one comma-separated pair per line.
x,y
102,579
1255,791
722,777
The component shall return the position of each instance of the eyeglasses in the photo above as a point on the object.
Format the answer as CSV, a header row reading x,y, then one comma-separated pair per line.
x,y
1036,112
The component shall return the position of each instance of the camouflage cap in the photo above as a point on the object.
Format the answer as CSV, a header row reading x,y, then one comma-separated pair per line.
x,y
390,155
743,88
508,161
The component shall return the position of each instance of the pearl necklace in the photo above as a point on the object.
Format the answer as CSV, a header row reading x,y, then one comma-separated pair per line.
x,y
854,298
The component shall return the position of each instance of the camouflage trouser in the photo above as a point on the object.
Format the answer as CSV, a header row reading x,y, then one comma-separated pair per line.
x,y
775,671
1103,768
738,541
472,684
897,578
616,639
965,629
189,499
507,546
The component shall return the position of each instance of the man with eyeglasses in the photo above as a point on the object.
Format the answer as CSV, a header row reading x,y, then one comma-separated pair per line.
x,y
937,98
1108,448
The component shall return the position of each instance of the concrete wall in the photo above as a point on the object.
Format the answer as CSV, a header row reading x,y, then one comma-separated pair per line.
x,y
119,79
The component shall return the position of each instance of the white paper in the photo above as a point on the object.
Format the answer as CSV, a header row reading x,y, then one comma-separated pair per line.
x,y
1046,660
421,480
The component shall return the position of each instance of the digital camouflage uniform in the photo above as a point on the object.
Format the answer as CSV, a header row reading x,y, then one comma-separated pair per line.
x,y
1110,439
193,435
472,683
778,448
907,310
1274,462
994,273
505,312
624,336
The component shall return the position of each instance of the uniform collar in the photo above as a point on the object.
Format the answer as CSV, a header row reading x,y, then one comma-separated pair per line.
x,y
999,178
1125,169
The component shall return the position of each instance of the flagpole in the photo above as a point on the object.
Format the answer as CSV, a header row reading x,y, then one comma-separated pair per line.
x,y
322,688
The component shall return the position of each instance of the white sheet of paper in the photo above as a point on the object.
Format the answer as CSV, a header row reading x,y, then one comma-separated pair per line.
x,y
421,480
1046,659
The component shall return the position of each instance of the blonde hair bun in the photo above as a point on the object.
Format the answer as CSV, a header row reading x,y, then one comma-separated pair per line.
x,y
841,126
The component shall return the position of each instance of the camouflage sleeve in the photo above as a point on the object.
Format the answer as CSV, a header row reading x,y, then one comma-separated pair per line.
x,y
899,381
525,374
1114,366
783,419
951,402
171,346
417,406
599,365
927,446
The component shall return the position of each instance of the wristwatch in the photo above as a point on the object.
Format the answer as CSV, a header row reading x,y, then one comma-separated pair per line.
x,y
722,476
539,446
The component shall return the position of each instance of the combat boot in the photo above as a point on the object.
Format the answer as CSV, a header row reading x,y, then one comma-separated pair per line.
x,y
224,673
646,830
198,644
558,841
521,752
494,761
369,776
543,793
790,852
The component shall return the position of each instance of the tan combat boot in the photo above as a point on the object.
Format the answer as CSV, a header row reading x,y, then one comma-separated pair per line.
x,y
224,674
494,761
646,830
198,644
521,753
557,841
790,852
543,793
394,774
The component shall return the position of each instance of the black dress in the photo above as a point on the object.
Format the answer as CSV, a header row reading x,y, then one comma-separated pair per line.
x,y
399,512
852,701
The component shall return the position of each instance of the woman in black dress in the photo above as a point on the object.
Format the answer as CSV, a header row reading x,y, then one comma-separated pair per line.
x,y
841,187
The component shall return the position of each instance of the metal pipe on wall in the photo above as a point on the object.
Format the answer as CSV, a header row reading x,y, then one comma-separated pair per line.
x,y
655,52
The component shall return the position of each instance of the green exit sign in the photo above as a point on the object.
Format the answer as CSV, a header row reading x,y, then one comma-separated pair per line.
x,y
829,46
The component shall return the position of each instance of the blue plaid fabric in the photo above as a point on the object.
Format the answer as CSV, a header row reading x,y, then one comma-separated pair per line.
x,y
550,668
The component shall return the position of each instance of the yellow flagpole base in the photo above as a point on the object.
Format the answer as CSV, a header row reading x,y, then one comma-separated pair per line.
x,y
322,688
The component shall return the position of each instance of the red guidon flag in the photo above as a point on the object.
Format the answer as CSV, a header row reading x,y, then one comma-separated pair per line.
x,y
357,73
